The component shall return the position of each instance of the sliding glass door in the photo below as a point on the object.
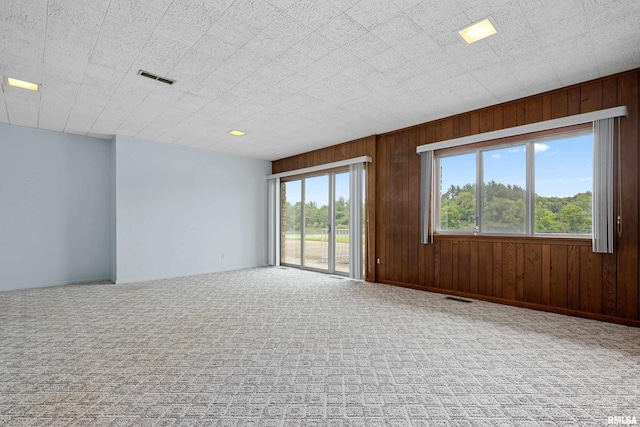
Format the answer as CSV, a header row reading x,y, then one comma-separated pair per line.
x,y
317,225
315,216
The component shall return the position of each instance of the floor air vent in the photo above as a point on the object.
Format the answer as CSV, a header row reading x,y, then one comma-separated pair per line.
x,y
457,299
154,77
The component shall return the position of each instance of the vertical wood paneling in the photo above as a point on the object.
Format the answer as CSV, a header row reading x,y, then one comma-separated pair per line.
x,y
454,265
464,266
559,104
485,276
558,279
509,268
509,115
628,259
546,275
546,107
609,291
485,120
446,265
519,272
497,270
590,281
591,97
473,267
533,109
573,101
573,277
533,273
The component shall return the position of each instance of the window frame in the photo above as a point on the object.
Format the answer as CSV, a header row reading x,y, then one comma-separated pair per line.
x,y
528,141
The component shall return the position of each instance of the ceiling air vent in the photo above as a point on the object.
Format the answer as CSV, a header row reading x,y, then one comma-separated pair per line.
x,y
154,77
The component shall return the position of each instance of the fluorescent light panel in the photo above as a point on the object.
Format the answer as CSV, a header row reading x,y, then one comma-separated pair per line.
x,y
477,31
236,133
22,84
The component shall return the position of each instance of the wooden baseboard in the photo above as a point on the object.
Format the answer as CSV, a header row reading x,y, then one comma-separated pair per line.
x,y
523,304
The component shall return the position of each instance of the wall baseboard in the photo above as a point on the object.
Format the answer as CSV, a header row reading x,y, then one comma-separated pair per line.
x,y
521,304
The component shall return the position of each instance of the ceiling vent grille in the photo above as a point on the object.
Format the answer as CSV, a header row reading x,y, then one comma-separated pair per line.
x,y
154,77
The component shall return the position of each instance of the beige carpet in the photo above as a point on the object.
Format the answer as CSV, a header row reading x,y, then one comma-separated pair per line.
x,y
284,347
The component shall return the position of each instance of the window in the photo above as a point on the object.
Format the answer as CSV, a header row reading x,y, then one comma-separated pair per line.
x,y
535,186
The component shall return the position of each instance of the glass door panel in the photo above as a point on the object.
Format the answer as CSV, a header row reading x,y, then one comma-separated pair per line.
x,y
341,234
291,194
317,230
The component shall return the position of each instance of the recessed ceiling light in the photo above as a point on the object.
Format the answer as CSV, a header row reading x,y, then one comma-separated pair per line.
x,y
22,84
236,133
477,31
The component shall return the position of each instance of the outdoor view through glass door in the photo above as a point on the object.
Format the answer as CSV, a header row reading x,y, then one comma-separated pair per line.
x,y
315,221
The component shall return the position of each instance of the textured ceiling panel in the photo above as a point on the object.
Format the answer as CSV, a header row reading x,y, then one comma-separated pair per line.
x,y
294,74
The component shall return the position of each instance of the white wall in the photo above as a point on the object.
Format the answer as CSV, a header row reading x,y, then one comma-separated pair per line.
x,y
54,208
178,209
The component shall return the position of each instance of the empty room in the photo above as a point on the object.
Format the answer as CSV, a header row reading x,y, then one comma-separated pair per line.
x,y
319,213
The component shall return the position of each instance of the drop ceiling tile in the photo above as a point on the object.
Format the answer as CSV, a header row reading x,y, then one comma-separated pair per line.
x,y
290,60
360,71
22,32
510,22
130,128
193,69
500,80
69,41
19,17
4,117
315,46
617,33
397,30
76,14
372,13
386,60
281,4
196,13
254,13
149,133
287,30
315,14
191,102
15,66
343,30
116,34
236,68
22,107
135,13
231,31
263,46
429,14
216,49
343,5
161,5
63,72
38,5
548,16
479,60
213,86
366,46
172,29
160,55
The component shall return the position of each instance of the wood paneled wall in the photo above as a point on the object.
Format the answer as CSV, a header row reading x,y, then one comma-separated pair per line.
x,y
560,275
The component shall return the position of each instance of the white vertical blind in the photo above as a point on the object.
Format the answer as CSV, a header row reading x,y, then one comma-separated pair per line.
x,y
603,185
273,207
426,184
355,220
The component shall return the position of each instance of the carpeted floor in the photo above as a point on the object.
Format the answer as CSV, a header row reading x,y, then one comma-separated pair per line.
x,y
284,347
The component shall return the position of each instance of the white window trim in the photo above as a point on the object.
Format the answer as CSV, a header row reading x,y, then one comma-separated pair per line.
x,y
529,143
576,119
